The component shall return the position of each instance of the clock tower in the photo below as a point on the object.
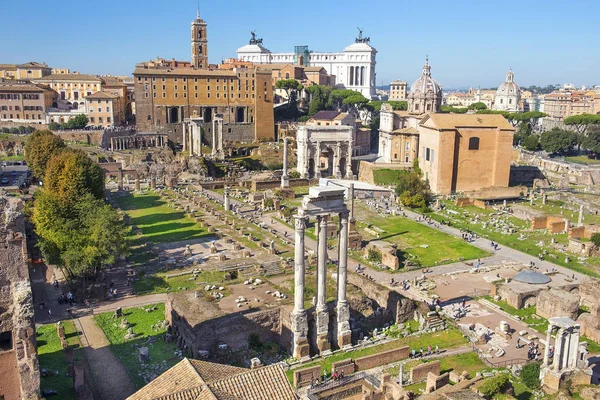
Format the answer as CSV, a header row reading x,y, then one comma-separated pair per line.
x,y
199,43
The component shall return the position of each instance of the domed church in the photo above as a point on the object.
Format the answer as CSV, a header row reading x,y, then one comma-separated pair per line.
x,y
425,94
508,95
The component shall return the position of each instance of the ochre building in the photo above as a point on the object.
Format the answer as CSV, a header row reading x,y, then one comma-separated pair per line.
x,y
24,102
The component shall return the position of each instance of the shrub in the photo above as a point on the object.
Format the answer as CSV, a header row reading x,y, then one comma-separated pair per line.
x,y
294,175
53,126
374,255
254,341
530,374
531,142
596,239
5,130
495,385
14,131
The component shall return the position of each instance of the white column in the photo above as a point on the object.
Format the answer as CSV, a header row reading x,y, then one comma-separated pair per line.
x,y
349,173
547,349
574,351
299,263
337,156
343,258
214,138
285,180
317,160
321,262
558,349
185,147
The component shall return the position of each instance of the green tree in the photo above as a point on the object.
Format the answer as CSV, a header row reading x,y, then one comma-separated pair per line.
x,y
291,87
39,147
558,141
596,239
319,98
53,126
79,122
71,173
530,374
495,385
477,106
531,142
450,109
412,190
399,105
591,141
582,121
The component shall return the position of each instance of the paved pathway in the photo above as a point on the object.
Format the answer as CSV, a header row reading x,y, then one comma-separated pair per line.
x,y
111,377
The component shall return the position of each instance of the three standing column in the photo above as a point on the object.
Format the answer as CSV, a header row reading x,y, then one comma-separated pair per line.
x,y
343,309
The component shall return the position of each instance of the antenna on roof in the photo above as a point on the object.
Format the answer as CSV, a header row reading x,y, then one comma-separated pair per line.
x,y
198,9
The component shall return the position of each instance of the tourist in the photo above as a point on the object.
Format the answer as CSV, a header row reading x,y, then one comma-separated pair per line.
x,y
437,349
518,343
412,355
420,352
429,350
49,312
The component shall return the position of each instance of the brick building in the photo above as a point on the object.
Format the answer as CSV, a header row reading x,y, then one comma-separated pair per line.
x,y
167,95
24,102
104,109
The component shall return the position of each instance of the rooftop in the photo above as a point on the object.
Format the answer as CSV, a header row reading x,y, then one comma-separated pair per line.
x,y
101,96
198,380
69,77
454,121
532,277
326,115
20,88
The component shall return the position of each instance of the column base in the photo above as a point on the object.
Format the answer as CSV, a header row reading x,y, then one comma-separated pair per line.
x,y
343,322
285,181
323,329
323,343
301,349
300,334
344,339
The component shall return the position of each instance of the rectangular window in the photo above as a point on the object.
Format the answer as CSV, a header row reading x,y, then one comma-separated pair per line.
x,y
163,79
184,87
427,154
92,120
164,87
164,95
207,80
208,88
185,79
207,95
146,94
154,95
175,79
176,95
196,96
175,87
184,94
195,79
196,88
107,109
217,88
217,95
107,119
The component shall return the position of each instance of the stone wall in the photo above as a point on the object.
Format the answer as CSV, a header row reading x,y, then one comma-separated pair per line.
x,y
557,303
202,326
518,299
553,224
303,377
276,183
16,308
470,202
584,232
94,137
435,382
496,193
525,175
384,358
401,308
346,366
419,372
11,124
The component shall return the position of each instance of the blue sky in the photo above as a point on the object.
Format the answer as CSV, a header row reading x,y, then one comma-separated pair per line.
x,y
469,43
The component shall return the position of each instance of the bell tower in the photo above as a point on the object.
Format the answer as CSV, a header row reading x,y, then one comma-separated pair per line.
x,y
199,43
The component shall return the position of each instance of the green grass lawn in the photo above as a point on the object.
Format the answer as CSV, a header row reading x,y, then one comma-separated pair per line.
x,y
158,222
410,235
553,207
14,157
387,176
469,362
529,245
581,160
447,339
52,358
159,282
162,354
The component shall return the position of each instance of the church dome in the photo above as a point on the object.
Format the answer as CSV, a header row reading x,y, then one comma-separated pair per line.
x,y
508,87
425,84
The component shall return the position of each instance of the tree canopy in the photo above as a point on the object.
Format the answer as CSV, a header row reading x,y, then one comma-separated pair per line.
x,y
291,87
39,147
531,142
591,141
558,141
71,173
412,189
582,121
477,106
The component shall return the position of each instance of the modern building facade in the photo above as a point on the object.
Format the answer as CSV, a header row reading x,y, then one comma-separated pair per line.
x,y
354,68
105,109
24,102
397,91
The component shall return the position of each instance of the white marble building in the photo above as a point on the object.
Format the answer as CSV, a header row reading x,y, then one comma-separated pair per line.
x,y
508,95
354,68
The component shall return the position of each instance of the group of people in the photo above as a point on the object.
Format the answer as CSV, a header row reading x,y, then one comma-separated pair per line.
x,y
494,245
335,376
468,236
421,353
68,299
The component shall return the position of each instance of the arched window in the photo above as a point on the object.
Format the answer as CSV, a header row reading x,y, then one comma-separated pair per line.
x,y
200,49
509,101
474,143
287,75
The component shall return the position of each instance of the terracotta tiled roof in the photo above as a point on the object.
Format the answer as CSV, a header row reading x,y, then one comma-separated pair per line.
x,y
20,88
185,72
101,96
408,131
453,121
69,77
181,377
112,81
326,115
257,384
213,371
33,64
201,380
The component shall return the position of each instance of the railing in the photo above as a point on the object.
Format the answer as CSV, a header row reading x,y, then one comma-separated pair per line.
x,y
330,384
479,293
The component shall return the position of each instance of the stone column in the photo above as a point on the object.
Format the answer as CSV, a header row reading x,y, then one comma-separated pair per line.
x,y
574,350
220,138
558,349
349,174
137,183
120,179
580,220
321,309
301,347
317,160
153,182
547,349
337,157
184,129
214,138
226,198
285,180
343,309
351,201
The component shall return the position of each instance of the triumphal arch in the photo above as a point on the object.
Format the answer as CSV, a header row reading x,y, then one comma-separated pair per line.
x,y
321,203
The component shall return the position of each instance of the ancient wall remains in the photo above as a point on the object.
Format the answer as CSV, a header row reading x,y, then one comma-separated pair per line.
x,y
419,372
20,377
496,193
557,303
276,183
553,224
384,358
518,298
94,137
435,382
303,377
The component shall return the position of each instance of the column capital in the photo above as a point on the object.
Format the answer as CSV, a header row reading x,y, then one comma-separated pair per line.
x,y
344,217
322,219
300,222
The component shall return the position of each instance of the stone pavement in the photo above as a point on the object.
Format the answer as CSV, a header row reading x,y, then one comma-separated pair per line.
x,y
111,378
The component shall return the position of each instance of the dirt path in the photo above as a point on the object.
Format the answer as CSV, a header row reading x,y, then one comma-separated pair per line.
x,y
110,375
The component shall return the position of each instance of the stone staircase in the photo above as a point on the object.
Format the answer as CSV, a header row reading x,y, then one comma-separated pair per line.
x,y
435,323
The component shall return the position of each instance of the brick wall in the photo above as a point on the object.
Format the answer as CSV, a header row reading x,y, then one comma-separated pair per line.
x,y
435,382
90,137
346,366
419,373
270,184
302,377
376,360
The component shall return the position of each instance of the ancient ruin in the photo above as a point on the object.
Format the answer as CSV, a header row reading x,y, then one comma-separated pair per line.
x,y
320,203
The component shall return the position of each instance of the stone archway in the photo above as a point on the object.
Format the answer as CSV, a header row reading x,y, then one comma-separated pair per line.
x,y
329,155
311,167
343,166
529,301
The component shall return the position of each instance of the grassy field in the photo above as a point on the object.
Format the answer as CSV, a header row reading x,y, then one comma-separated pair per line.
x,y
160,283
386,176
15,157
450,338
469,362
553,207
582,160
162,354
158,222
410,235
52,358
529,245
